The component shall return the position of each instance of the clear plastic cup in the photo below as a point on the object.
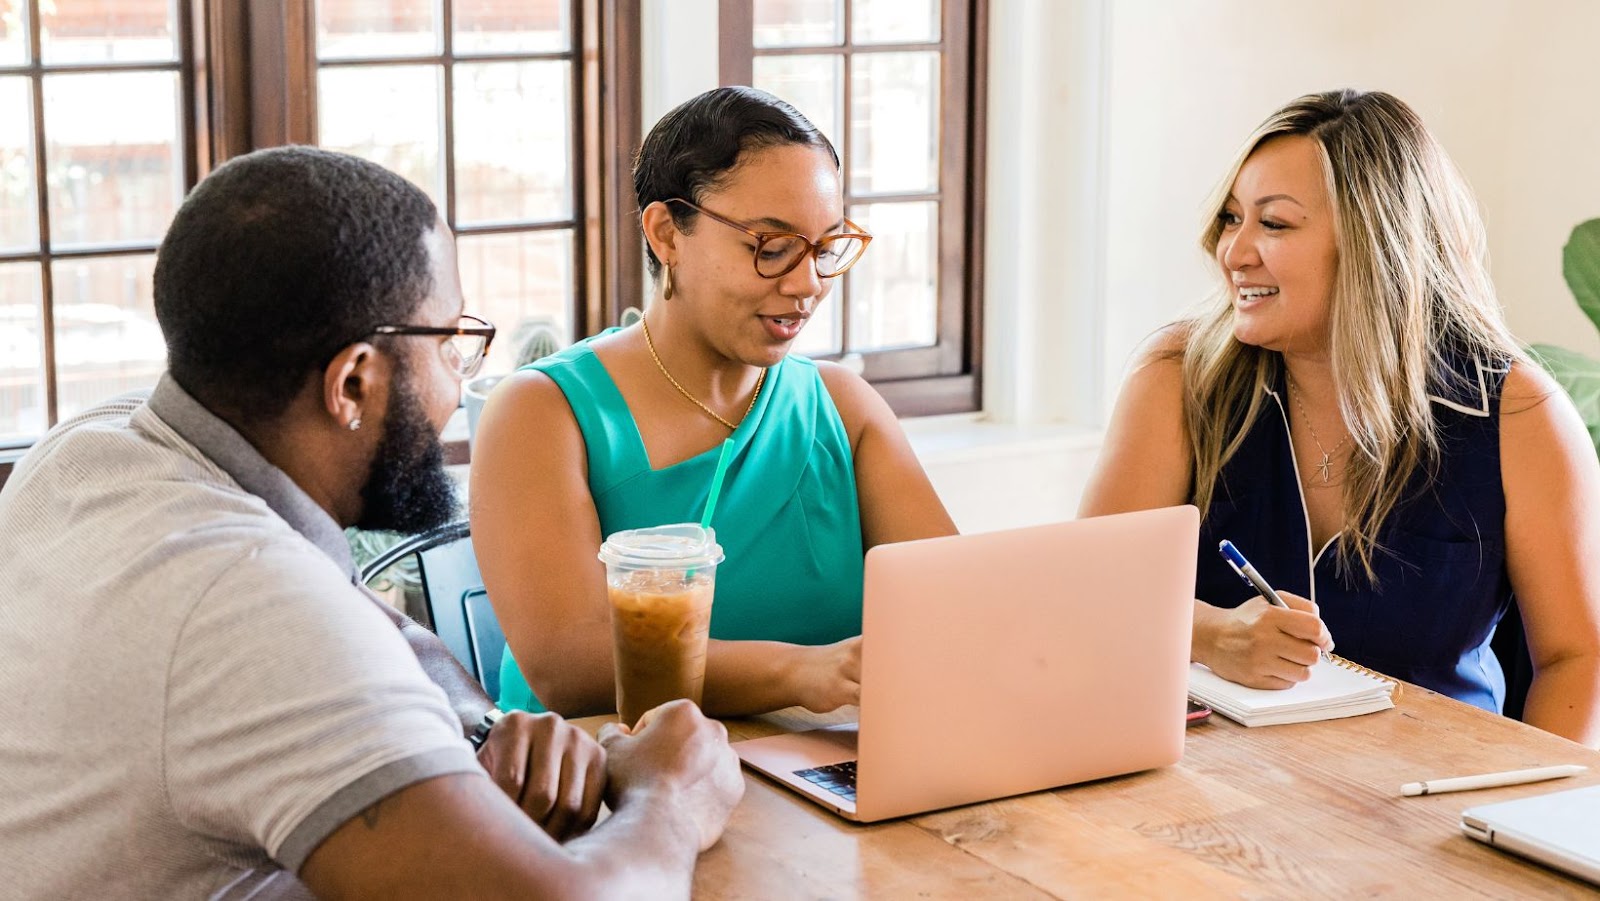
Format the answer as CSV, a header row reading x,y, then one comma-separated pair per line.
x,y
661,582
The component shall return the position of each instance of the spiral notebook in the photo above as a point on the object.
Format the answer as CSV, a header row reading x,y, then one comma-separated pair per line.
x,y
1337,688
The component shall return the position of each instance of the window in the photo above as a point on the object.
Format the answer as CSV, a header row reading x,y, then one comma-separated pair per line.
x,y
95,154
477,102
889,83
519,117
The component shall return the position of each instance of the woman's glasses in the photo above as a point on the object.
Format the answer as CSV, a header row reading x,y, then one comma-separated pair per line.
x,y
777,253
468,344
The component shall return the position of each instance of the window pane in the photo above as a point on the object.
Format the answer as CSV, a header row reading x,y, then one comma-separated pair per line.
x,y
511,26
103,31
13,42
19,212
814,85
822,334
894,299
112,145
387,114
518,282
513,141
363,29
799,23
22,415
107,340
894,21
894,121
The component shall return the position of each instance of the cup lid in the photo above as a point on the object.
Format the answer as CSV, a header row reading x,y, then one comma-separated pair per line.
x,y
685,544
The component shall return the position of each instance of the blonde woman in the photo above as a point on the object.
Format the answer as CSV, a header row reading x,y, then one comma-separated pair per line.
x,y
1351,412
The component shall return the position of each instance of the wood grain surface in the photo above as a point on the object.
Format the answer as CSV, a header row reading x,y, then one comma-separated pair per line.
x,y
1306,810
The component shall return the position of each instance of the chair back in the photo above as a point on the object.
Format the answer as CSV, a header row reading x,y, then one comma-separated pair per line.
x,y
457,604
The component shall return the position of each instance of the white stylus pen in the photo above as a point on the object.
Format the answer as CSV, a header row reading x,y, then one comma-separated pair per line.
x,y
1491,780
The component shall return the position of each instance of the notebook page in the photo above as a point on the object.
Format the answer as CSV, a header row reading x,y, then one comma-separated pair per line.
x,y
1330,687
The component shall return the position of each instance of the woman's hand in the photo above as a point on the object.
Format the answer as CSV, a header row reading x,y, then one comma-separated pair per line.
x,y
829,676
1259,645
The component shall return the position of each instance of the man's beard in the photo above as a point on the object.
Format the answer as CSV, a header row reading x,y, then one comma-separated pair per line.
x,y
407,489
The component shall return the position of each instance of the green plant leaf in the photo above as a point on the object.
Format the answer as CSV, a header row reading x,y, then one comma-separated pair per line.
x,y
1580,263
1579,376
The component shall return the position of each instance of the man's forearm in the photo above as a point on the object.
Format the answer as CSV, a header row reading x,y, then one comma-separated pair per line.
x,y
647,848
467,697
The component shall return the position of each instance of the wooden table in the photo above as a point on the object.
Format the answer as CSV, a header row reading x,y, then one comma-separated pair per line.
x,y
1308,810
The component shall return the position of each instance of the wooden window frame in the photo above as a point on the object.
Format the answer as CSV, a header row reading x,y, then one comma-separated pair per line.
x,y
608,262
247,72
189,137
608,258
946,377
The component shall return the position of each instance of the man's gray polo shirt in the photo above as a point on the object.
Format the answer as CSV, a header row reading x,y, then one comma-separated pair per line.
x,y
193,692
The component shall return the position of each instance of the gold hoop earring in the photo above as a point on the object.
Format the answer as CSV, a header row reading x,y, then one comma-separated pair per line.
x,y
666,285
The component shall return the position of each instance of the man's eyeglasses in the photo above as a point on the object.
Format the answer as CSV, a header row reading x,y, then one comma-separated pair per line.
x,y
468,344
777,253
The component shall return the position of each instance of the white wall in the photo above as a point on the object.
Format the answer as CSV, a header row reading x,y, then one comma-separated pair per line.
x,y
1550,175
1044,212
678,53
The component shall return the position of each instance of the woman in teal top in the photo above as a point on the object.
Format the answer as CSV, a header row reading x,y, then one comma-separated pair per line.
x,y
743,218
794,552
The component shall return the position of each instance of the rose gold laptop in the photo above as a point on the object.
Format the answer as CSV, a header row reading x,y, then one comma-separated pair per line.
x,y
1002,663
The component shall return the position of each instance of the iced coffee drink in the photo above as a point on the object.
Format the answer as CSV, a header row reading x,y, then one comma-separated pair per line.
x,y
660,622
660,582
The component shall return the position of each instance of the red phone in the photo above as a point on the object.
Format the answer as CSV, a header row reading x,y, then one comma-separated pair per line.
x,y
1197,711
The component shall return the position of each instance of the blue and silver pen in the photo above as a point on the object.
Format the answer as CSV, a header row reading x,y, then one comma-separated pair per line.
x,y
1253,579
1248,573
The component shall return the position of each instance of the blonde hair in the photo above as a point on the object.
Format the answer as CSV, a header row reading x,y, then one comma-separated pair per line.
x,y
1411,287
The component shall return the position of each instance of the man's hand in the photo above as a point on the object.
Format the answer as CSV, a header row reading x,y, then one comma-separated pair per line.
x,y
675,749
552,769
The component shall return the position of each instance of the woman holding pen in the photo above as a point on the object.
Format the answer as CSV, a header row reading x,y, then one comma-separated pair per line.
x,y
744,220
1351,411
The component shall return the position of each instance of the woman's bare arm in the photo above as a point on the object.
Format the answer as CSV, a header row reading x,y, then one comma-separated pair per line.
x,y
1146,463
896,499
1552,486
536,533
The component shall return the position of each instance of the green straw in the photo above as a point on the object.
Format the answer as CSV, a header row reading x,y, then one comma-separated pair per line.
x,y
723,460
716,483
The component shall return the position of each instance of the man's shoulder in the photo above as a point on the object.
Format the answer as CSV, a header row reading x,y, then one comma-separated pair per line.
x,y
116,495
117,442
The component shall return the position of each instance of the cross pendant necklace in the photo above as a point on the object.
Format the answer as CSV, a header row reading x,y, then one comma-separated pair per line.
x,y
1325,467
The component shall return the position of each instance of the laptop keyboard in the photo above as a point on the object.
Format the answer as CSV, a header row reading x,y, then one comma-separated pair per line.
x,y
839,778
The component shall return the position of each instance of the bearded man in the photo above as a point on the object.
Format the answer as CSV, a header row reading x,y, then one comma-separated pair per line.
x,y
197,698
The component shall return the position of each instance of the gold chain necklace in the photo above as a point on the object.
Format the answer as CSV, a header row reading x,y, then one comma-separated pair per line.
x,y
1323,468
760,380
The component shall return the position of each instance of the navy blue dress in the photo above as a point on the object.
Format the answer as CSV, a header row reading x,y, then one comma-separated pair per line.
x,y
1441,563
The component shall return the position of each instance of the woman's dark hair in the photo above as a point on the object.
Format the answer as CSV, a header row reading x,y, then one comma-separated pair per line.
x,y
275,262
694,147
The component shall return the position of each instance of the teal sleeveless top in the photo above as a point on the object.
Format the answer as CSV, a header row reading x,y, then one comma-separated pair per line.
x,y
788,518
